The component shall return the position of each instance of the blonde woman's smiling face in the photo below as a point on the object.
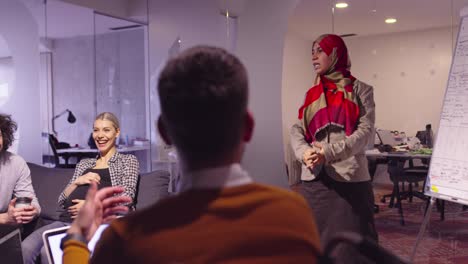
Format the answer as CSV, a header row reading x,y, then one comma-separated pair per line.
x,y
105,135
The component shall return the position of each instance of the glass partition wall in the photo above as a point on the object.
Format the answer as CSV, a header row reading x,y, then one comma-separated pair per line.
x,y
72,77
89,61
98,63
224,18
121,80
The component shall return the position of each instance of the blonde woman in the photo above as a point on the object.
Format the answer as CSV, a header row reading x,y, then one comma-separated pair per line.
x,y
108,168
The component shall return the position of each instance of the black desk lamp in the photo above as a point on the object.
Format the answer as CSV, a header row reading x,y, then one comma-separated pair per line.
x,y
71,118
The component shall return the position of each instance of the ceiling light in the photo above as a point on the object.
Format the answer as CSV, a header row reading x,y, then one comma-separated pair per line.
x,y
390,20
228,14
341,5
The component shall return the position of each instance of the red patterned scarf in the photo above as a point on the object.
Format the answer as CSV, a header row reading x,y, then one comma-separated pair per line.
x,y
332,100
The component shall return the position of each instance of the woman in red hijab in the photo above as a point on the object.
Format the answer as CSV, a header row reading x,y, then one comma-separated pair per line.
x,y
335,125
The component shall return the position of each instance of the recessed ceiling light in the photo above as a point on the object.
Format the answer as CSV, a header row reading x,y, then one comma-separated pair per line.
x,y
341,5
226,13
390,20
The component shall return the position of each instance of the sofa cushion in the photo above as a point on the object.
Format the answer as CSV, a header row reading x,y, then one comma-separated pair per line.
x,y
152,187
48,184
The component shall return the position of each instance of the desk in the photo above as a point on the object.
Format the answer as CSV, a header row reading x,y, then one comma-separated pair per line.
x,y
399,174
80,153
375,153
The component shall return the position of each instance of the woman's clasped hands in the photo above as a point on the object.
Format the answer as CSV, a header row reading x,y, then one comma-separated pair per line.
x,y
314,156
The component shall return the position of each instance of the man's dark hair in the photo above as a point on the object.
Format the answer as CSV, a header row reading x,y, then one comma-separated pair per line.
x,y
203,94
8,128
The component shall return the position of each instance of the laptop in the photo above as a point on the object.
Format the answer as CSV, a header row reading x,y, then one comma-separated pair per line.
x,y
10,244
387,137
53,237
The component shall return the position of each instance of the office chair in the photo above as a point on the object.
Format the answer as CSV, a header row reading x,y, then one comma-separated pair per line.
x,y
54,145
364,246
400,176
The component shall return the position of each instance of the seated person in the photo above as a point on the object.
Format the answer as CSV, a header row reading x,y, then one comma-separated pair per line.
x,y
15,179
109,168
220,215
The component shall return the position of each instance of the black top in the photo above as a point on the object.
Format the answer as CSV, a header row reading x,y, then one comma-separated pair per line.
x,y
81,191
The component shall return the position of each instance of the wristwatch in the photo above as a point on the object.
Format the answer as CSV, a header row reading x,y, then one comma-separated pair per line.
x,y
77,237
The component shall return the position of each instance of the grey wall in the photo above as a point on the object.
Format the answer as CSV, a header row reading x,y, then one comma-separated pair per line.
x,y
195,23
261,31
73,87
262,52
119,80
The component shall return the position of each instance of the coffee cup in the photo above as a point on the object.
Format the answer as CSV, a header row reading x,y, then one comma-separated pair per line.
x,y
22,202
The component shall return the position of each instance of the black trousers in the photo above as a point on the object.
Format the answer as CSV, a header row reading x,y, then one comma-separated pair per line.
x,y
339,207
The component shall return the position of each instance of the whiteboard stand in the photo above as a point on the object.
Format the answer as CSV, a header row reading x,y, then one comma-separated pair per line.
x,y
448,172
422,229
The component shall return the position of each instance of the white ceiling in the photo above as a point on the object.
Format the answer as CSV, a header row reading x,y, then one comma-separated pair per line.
x,y
312,18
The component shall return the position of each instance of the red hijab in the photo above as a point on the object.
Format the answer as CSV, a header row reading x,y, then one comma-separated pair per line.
x,y
332,101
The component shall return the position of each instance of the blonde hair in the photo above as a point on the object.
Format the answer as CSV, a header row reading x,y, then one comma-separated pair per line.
x,y
109,117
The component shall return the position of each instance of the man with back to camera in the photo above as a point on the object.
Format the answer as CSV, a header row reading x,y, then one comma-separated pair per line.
x,y
15,180
220,215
